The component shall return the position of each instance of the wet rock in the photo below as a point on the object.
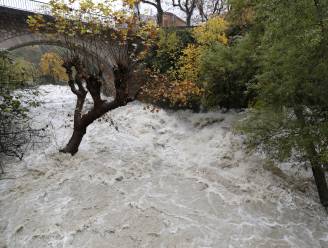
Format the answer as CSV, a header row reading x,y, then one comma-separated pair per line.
x,y
119,179
19,229
207,121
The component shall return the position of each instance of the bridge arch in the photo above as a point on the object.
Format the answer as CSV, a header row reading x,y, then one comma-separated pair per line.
x,y
15,33
36,39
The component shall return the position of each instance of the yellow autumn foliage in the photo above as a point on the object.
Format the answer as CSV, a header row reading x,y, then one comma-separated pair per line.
x,y
23,70
189,63
212,31
51,65
172,93
35,22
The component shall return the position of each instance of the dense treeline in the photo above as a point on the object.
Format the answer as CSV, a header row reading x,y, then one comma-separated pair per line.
x,y
221,64
270,56
290,113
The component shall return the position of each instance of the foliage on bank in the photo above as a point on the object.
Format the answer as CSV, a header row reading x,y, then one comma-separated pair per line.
x,y
16,134
289,117
206,57
269,56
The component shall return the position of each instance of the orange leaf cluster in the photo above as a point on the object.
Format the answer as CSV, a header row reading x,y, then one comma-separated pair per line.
x,y
160,90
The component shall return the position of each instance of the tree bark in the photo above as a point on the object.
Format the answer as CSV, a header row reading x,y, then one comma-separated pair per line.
x,y
189,19
313,157
1,168
320,180
100,107
158,5
318,173
72,146
160,14
188,7
80,128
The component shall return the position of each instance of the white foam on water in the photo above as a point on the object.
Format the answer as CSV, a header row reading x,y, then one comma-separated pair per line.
x,y
162,179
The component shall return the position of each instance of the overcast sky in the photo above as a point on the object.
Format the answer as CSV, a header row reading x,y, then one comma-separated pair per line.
x,y
150,10
145,8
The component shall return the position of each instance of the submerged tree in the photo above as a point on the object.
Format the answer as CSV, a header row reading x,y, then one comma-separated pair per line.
x,y
290,118
102,43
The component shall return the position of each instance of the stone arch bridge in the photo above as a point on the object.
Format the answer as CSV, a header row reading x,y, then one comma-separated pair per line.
x,y
15,33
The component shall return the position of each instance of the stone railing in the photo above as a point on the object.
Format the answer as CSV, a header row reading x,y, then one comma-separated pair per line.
x,y
33,6
39,7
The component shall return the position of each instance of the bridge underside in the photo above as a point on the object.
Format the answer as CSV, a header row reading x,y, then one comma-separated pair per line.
x,y
15,34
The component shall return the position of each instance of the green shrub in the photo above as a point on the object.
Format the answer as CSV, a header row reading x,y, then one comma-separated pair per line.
x,y
228,74
16,135
171,42
290,118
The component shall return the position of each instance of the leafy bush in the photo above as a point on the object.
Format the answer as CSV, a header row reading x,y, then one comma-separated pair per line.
x,y
165,54
16,135
290,117
167,83
292,79
51,66
189,63
228,73
211,32
166,92
224,71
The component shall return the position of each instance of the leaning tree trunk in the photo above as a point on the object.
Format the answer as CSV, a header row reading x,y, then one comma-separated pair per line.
x,y
318,173
81,93
313,156
320,181
72,146
100,107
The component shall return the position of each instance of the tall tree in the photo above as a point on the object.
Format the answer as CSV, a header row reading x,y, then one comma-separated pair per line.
x,y
97,47
186,6
158,5
291,116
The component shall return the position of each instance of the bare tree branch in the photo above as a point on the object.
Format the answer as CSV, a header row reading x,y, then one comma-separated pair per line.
x,y
187,6
158,5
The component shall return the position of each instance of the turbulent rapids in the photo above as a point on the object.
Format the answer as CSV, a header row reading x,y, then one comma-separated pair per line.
x,y
153,179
